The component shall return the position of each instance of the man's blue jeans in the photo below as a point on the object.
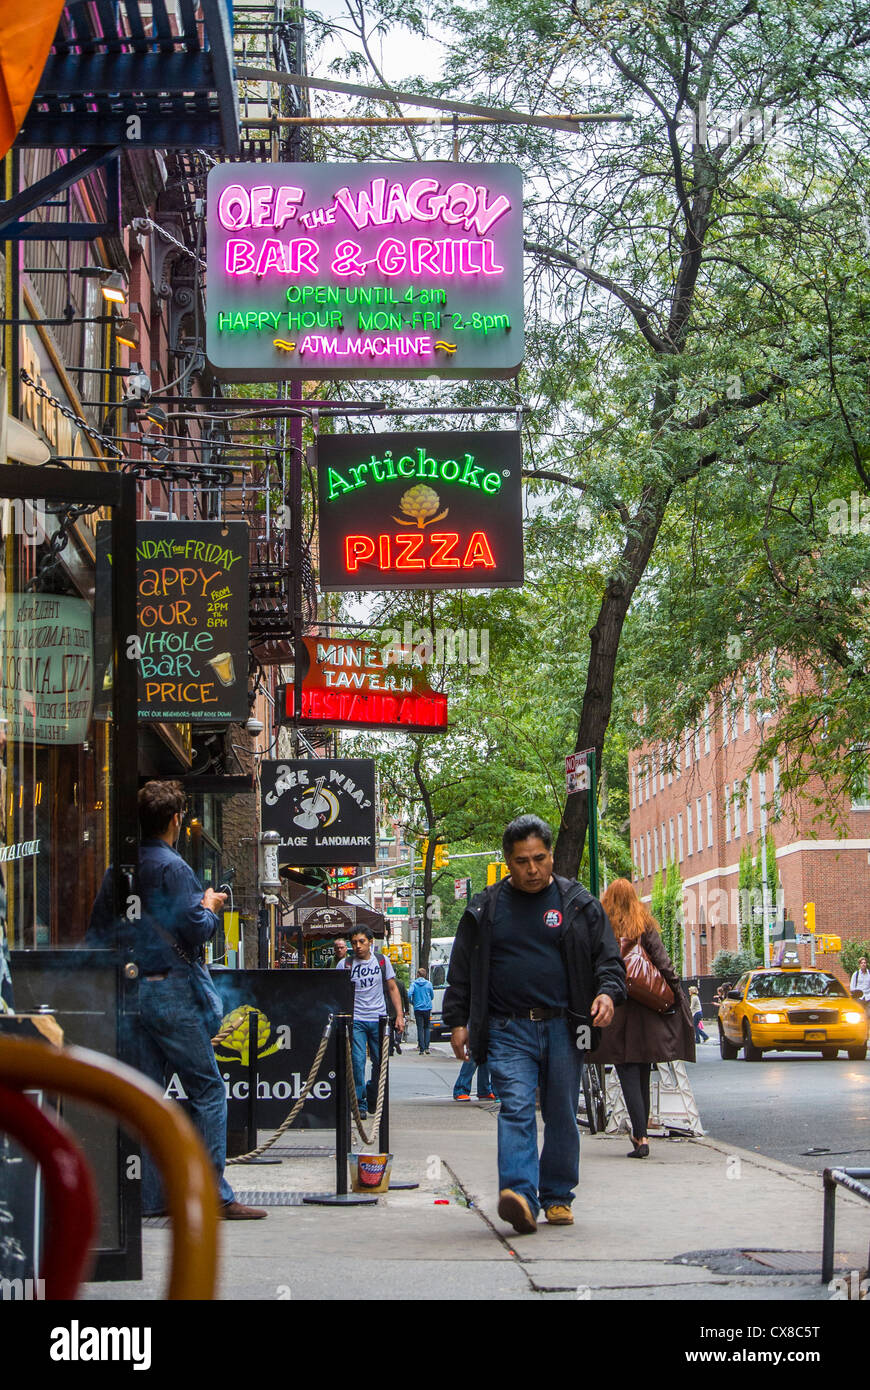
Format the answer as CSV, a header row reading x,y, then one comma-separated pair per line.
x,y
174,1040
466,1076
366,1033
423,1020
524,1055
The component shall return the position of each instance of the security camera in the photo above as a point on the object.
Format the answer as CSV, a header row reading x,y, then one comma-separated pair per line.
x,y
255,726
138,384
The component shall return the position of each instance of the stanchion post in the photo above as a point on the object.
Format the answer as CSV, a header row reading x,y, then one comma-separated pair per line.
x,y
384,1035
384,1136
341,1197
342,1109
253,1034
829,1213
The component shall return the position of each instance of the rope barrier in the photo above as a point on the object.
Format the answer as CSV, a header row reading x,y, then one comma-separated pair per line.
x,y
303,1096
382,1088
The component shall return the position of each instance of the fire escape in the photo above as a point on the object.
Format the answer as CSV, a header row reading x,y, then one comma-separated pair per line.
x,y
283,598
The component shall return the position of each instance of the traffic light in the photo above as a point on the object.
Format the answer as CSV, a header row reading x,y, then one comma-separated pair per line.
x,y
829,943
442,857
424,851
494,872
406,951
809,917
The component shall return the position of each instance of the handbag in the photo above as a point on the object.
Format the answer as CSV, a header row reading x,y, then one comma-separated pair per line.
x,y
645,983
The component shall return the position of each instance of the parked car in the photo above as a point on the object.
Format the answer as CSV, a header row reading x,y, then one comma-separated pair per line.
x,y
791,1010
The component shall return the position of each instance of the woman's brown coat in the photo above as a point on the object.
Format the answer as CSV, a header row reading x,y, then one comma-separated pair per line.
x,y
639,1034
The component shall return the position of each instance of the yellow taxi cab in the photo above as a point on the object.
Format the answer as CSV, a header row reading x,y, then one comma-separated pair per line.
x,y
791,1010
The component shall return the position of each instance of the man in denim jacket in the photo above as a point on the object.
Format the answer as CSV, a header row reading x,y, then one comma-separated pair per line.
x,y
179,1007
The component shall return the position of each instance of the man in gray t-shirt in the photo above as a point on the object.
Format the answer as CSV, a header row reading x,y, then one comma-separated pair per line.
x,y
371,983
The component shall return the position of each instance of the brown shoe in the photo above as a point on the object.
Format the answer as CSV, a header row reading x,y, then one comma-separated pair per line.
x,y
559,1215
513,1208
237,1211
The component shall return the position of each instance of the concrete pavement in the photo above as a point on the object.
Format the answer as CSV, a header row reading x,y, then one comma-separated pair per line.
x,y
679,1225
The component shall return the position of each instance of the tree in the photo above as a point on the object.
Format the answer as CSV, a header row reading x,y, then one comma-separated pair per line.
x,y
851,954
685,382
696,351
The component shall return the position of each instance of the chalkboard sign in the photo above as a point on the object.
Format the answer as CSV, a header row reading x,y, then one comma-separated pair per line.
x,y
192,632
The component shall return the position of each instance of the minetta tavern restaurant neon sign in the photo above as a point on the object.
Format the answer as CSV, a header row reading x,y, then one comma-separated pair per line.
x,y
429,510
364,270
346,683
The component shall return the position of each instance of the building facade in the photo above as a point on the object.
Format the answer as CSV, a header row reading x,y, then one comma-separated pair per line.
x,y
696,804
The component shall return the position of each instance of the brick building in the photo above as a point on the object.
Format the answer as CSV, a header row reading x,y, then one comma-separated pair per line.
x,y
695,803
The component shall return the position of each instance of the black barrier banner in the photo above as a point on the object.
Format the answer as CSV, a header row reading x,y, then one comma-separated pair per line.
x,y
293,1006
323,809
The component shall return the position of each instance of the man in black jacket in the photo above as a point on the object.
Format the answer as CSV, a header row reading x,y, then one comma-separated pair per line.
x,y
535,972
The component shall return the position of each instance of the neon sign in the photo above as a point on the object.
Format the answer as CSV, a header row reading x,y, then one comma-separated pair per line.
x,y
349,683
421,511
439,245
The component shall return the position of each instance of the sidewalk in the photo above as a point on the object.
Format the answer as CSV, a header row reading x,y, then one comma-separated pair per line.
x,y
676,1226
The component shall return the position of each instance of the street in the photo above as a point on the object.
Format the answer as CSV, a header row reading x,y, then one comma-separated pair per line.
x,y
781,1107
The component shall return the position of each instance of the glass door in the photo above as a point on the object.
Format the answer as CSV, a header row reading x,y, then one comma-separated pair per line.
x,y
68,788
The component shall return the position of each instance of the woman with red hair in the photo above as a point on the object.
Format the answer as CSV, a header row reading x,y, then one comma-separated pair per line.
x,y
639,1036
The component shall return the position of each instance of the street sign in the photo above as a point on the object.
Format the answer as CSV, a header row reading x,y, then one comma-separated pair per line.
x,y
577,772
397,911
460,887
404,892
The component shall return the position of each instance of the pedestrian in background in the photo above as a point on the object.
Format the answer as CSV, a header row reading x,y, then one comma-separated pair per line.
x,y
861,981
374,988
396,1033
421,995
639,1036
462,1086
179,1007
697,1010
340,951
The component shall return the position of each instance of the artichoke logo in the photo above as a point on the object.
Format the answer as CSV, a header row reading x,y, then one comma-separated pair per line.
x,y
234,1033
419,504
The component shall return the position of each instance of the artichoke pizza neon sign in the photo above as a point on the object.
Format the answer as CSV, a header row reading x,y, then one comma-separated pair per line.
x,y
420,510
352,270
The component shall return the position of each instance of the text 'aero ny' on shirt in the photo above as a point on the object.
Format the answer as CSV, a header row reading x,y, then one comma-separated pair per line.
x,y
369,991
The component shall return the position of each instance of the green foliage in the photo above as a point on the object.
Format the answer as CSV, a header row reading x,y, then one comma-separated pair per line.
x,y
697,360
851,953
728,965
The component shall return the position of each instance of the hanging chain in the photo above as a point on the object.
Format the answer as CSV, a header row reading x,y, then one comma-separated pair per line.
x,y
70,414
142,224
